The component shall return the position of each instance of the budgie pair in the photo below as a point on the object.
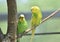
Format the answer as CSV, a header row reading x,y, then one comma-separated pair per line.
x,y
35,21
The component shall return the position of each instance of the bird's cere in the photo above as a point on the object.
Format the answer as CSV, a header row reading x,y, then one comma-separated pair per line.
x,y
21,15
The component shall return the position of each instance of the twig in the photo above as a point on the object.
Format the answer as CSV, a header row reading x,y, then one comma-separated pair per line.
x,y
51,15
48,17
49,33
1,35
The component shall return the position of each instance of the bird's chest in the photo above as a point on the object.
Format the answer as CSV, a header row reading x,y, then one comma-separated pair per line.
x,y
21,24
35,20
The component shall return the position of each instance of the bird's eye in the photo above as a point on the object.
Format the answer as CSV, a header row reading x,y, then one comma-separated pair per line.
x,y
23,17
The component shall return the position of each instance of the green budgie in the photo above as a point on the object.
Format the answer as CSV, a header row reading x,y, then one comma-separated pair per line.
x,y
21,26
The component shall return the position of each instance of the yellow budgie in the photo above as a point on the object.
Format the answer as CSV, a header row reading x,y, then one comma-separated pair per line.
x,y
36,19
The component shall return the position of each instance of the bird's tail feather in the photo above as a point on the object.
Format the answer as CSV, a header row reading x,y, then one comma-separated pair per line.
x,y
32,36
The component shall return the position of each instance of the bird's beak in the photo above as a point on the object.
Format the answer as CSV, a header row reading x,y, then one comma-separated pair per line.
x,y
22,18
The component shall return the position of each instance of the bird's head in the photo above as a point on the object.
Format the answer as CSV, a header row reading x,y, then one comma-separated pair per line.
x,y
35,9
21,17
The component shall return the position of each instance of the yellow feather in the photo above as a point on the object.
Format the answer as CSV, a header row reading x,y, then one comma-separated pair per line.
x,y
32,36
36,19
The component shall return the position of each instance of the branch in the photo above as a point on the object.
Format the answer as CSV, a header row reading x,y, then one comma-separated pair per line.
x,y
12,24
49,33
48,17
1,35
51,15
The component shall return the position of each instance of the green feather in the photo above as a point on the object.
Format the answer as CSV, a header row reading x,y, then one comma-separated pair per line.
x,y
22,26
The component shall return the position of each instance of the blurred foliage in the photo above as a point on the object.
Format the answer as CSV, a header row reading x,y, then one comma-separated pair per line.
x,y
45,5
25,5
3,26
42,38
